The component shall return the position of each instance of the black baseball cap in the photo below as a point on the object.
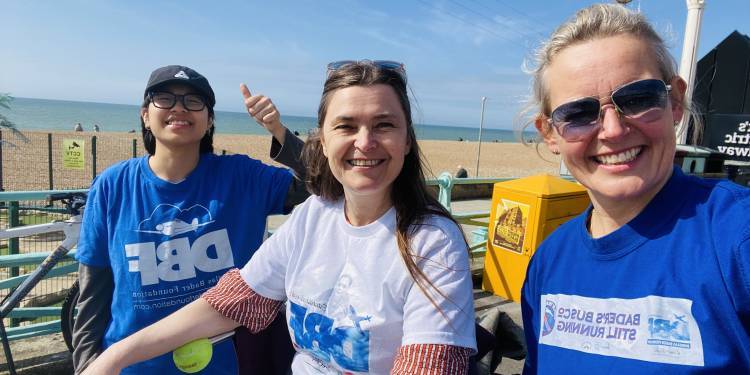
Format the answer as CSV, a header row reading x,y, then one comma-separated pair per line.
x,y
181,74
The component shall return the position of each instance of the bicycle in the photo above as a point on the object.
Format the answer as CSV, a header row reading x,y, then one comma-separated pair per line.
x,y
74,203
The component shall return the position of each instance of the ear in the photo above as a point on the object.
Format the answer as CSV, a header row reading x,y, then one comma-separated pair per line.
x,y
408,144
322,142
144,116
545,130
677,96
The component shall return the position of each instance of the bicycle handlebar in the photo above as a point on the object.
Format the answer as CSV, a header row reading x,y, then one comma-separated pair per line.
x,y
73,201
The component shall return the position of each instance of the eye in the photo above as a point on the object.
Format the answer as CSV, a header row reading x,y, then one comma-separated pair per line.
x,y
343,127
194,100
385,125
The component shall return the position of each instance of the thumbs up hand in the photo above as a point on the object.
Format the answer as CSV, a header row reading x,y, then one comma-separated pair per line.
x,y
262,109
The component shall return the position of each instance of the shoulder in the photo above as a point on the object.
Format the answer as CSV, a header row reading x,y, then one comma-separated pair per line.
x,y
438,236
561,239
721,200
118,172
314,207
122,167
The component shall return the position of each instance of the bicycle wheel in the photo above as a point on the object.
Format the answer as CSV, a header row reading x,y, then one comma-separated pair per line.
x,y
68,315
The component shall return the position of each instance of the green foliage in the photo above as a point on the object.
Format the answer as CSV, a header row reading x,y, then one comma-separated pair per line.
x,y
5,123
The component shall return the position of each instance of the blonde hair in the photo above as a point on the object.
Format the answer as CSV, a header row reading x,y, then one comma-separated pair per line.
x,y
595,22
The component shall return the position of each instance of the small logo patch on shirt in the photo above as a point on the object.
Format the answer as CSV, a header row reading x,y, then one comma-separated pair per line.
x,y
653,328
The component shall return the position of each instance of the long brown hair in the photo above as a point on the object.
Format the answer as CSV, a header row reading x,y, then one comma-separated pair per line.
x,y
412,202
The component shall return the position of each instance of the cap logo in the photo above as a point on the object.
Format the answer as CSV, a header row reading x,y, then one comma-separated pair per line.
x,y
181,74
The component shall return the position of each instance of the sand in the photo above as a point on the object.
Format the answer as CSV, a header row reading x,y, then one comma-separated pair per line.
x,y
26,166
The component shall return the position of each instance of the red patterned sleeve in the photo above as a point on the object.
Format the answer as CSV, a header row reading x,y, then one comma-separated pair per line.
x,y
233,298
431,359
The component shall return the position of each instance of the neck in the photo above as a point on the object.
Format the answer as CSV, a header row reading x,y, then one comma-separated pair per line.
x,y
173,165
361,211
609,214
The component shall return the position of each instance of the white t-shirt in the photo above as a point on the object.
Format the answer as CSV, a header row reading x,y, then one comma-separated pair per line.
x,y
351,302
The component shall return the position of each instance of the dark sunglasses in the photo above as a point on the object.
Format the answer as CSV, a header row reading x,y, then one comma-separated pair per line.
x,y
380,64
167,100
641,101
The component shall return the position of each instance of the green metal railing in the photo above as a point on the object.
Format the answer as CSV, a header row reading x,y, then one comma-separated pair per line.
x,y
16,259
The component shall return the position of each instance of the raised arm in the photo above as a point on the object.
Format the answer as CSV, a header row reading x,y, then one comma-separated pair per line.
x,y
286,147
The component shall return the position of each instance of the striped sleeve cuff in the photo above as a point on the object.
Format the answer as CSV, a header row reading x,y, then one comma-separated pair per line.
x,y
431,359
233,298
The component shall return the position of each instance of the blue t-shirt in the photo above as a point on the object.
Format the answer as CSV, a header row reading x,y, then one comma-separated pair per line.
x,y
167,243
669,292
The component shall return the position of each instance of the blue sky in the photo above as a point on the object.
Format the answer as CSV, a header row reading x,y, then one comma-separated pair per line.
x,y
455,51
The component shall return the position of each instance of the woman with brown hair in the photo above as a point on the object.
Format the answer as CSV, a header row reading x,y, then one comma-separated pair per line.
x,y
373,270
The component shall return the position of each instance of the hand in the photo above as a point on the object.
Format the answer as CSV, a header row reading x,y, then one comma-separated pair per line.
x,y
262,109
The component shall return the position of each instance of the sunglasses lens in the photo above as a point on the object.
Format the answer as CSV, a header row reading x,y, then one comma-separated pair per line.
x,y
339,64
576,119
386,64
643,100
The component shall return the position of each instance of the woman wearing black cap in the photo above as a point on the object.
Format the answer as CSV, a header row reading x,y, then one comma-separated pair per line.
x,y
161,229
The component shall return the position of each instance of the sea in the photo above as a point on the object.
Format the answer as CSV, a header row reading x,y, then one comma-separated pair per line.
x,y
62,115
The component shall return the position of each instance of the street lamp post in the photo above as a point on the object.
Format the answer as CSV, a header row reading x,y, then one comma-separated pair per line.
x,y
687,63
481,123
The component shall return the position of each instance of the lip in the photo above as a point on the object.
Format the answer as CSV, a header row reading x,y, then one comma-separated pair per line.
x,y
364,163
619,159
177,123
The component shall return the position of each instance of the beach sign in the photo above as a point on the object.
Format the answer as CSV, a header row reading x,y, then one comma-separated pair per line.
x,y
73,153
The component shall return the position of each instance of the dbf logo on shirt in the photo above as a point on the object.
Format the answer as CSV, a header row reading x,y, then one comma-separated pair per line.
x,y
177,258
346,346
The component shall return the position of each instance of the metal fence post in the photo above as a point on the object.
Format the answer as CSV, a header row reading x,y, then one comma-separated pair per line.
x,y
1,162
93,157
49,161
13,221
445,184
135,147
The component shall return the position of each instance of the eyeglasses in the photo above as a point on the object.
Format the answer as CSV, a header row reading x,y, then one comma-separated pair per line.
x,y
380,64
641,101
167,100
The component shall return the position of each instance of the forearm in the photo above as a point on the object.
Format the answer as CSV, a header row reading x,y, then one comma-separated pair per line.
x,y
94,300
279,133
288,154
287,151
196,320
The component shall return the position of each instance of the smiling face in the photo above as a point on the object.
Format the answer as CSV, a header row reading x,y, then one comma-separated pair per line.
x,y
364,137
176,127
625,162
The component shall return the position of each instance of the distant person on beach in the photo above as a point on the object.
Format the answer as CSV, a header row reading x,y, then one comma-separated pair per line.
x,y
96,127
78,127
160,230
461,172
654,277
373,270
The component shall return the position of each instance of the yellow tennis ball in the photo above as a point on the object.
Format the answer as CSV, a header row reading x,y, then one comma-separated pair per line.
x,y
193,356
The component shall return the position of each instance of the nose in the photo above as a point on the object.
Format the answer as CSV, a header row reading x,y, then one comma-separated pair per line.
x,y
179,105
365,140
613,125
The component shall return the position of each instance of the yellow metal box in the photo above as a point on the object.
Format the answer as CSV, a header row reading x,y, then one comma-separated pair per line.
x,y
523,213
